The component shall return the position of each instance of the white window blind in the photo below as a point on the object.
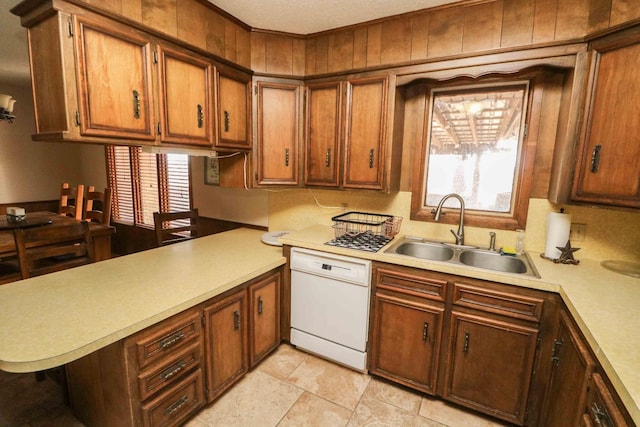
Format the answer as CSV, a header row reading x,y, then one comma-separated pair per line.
x,y
143,183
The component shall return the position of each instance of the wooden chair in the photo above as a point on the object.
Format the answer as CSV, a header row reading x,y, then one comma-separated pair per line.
x,y
69,195
46,249
98,206
173,227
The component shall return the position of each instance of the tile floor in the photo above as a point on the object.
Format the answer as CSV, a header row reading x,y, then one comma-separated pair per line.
x,y
290,388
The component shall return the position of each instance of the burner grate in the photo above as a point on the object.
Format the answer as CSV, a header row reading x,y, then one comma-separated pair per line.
x,y
366,241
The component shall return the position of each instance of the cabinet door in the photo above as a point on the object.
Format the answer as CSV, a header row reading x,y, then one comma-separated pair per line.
x,y
323,126
365,133
114,81
490,365
186,98
602,408
607,171
573,366
279,119
226,343
406,341
234,107
264,300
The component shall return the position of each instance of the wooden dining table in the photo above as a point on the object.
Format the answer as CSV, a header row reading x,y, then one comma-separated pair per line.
x,y
100,233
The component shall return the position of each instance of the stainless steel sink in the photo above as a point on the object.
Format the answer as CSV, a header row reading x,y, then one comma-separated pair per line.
x,y
493,261
465,255
424,250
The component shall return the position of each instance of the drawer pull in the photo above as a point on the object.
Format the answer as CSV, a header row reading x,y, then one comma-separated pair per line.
x,y
177,405
425,331
327,159
286,157
200,115
371,158
465,348
236,320
595,158
227,121
259,305
171,371
136,104
171,340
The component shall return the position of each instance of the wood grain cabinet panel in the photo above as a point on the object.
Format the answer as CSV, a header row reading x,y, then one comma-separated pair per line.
x,y
607,170
279,124
114,80
186,97
234,110
226,342
264,301
323,133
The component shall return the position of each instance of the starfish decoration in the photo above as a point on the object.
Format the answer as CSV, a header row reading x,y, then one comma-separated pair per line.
x,y
567,252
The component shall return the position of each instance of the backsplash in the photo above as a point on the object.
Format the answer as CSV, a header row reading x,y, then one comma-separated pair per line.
x,y
610,234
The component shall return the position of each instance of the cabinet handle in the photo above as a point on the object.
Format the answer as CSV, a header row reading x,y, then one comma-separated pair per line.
x,y
601,416
327,158
136,104
172,370
77,117
175,406
595,158
171,340
259,305
371,156
465,348
200,116
286,157
425,331
236,320
227,121
555,355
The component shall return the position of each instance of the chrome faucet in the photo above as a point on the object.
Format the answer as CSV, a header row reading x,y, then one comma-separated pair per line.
x,y
460,234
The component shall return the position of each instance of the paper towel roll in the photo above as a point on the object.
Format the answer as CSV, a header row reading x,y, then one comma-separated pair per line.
x,y
558,227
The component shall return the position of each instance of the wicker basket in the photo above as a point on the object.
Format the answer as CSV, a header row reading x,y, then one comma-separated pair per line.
x,y
355,223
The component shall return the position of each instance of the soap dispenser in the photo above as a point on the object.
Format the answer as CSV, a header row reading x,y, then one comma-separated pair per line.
x,y
520,242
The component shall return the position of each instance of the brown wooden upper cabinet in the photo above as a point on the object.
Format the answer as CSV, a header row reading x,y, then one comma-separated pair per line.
x,y
279,126
323,134
186,95
234,110
348,141
607,170
114,81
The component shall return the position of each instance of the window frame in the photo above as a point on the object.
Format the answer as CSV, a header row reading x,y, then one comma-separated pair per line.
x,y
516,219
163,182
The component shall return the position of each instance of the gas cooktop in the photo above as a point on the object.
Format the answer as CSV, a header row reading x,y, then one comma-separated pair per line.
x,y
366,241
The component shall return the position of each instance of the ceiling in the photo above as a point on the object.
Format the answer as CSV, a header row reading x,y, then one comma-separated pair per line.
x,y
292,16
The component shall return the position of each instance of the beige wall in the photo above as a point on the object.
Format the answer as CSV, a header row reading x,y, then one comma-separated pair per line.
x,y
33,171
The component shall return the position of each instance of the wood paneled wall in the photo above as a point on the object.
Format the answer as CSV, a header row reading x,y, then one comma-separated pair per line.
x,y
466,29
196,22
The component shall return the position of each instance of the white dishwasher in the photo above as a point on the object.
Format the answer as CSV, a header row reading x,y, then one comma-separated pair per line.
x,y
330,306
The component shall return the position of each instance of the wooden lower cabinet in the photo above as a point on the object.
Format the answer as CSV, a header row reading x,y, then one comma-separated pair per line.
x,y
408,313
490,365
472,342
164,374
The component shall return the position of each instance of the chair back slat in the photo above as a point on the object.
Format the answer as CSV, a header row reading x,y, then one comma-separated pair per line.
x,y
46,249
173,227
71,200
98,205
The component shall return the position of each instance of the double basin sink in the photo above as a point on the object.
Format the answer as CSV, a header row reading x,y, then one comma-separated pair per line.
x,y
466,255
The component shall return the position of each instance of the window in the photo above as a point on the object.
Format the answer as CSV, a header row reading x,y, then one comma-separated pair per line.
x,y
476,146
144,183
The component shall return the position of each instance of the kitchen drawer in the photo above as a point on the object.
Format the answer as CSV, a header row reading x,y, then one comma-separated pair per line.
x,y
170,336
173,406
494,301
410,282
162,375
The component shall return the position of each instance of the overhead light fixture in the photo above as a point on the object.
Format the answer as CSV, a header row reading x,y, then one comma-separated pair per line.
x,y
6,107
176,150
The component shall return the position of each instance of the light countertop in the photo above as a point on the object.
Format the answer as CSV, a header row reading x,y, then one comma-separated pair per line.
x,y
603,303
54,319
